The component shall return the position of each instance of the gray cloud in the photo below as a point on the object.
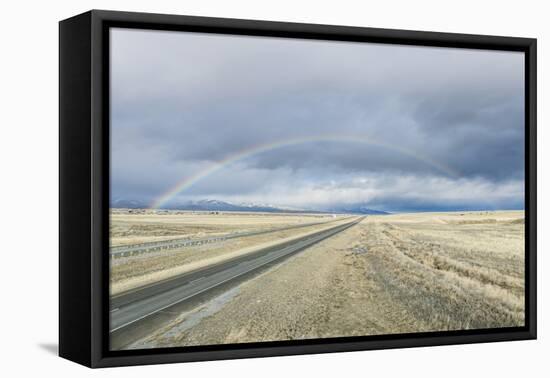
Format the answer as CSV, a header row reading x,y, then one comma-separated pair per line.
x,y
182,102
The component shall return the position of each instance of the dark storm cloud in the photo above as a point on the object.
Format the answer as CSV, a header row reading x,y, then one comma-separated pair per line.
x,y
183,101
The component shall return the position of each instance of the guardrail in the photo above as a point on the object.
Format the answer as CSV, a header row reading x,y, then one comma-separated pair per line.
x,y
138,249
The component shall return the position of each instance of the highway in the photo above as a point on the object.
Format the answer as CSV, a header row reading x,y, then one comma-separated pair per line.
x,y
129,308
137,249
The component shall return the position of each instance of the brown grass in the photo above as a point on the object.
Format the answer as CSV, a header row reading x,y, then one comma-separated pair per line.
x,y
139,226
390,274
469,274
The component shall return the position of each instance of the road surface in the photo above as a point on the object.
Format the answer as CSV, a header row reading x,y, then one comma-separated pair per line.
x,y
129,308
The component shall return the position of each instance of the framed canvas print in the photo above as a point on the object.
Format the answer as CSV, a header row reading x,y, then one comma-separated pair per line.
x,y
235,188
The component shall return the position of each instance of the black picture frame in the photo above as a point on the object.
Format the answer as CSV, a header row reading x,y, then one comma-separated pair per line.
x,y
84,187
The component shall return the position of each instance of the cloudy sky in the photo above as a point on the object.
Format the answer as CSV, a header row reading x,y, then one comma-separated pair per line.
x,y
314,124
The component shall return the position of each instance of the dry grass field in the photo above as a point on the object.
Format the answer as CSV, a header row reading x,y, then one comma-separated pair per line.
x,y
389,274
140,226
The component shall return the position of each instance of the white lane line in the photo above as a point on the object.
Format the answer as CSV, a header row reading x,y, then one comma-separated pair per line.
x,y
214,285
189,296
197,280
114,309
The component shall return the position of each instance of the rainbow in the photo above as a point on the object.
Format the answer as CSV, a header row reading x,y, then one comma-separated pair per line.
x,y
188,182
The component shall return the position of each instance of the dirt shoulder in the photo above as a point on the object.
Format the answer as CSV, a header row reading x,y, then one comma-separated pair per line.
x,y
135,271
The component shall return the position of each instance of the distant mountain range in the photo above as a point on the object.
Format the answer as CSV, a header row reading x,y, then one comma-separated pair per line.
x,y
356,209
121,203
217,205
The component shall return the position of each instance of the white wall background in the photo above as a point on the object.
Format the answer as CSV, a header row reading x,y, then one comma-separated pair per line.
x,y
29,186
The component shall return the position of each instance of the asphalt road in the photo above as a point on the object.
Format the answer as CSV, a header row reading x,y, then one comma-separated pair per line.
x,y
131,307
137,249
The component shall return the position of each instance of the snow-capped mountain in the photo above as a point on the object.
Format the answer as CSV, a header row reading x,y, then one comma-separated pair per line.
x,y
217,205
